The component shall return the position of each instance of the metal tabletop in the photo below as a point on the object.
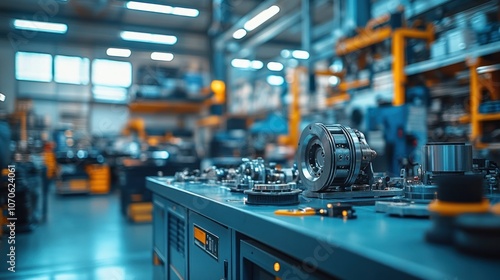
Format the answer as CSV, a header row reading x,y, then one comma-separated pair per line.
x,y
372,246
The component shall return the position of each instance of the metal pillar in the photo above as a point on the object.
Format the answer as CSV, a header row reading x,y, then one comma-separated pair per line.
x,y
307,40
221,14
306,26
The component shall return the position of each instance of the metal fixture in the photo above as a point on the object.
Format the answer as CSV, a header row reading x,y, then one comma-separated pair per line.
x,y
333,158
446,158
273,194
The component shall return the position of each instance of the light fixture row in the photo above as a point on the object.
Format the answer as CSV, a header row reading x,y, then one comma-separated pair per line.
x,y
62,28
158,56
256,64
162,9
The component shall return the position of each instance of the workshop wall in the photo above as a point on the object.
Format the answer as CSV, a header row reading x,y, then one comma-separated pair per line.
x,y
50,97
7,79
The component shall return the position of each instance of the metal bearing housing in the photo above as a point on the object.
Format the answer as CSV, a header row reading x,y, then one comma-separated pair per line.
x,y
331,156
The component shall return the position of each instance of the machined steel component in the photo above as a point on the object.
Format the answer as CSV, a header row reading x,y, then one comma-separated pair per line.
x,y
447,157
273,194
273,187
281,175
420,193
402,209
330,157
248,173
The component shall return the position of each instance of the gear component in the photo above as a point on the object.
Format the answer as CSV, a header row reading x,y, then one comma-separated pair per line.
x,y
249,172
333,157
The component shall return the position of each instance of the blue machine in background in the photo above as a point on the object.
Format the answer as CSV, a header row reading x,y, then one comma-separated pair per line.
x,y
404,130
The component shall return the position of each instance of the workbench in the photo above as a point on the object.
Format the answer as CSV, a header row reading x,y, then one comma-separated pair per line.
x,y
309,247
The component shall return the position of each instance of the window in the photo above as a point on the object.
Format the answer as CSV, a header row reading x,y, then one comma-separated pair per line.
x,y
111,73
33,66
71,69
105,93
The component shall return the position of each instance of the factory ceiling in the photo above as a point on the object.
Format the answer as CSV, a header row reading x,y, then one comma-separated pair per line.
x,y
99,22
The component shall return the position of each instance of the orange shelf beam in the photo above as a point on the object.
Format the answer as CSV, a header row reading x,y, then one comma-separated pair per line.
x,y
354,85
337,99
464,119
363,40
210,121
163,107
399,61
329,73
489,117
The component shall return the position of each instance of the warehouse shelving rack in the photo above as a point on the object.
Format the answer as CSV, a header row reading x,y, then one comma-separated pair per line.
x,y
472,59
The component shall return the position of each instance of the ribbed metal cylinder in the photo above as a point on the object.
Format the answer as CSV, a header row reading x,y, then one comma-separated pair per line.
x,y
331,156
447,157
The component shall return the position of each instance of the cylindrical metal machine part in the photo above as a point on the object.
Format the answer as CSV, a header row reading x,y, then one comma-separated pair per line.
x,y
331,156
420,193
447,157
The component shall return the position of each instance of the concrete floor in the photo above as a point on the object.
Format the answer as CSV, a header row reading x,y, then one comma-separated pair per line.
x,y
84,237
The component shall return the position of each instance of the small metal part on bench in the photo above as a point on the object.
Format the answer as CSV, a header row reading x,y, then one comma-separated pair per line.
x,y
273,194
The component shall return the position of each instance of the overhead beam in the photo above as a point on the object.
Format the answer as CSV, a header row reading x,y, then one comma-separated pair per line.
x,y
323,49
105,35
324,29
107,23
306,39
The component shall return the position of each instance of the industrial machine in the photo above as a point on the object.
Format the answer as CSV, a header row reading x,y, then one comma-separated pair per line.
x,y
404,135
313,220
82,172
135,199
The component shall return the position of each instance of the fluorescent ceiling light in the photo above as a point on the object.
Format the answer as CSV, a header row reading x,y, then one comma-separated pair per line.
x,y
162,56
118,52
275,80
41,26
163,9
256,64
245,63
298,54
148,37
274,66
262,17
241,63
240,33
186,12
